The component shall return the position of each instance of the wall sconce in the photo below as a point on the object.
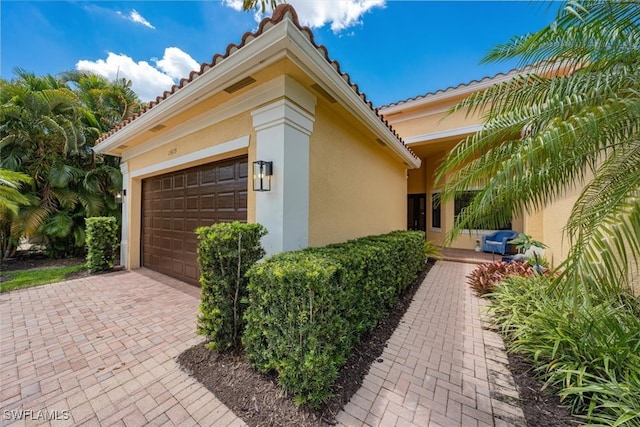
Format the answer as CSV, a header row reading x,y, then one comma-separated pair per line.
x,y
262,172
120,195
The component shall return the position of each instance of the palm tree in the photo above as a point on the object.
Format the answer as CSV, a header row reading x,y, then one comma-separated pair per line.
x,y
110,102
260,4
47,131
10,201
570,119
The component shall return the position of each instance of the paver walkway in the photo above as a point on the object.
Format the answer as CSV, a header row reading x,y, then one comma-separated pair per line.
x,y
101,351
440,367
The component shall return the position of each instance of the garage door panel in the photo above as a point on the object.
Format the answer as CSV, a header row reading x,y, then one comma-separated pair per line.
x,y
207,202
192,203
175,204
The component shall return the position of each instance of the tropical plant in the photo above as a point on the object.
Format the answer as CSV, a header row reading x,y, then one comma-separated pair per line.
x,y
260,4
47,131
11,199
570,118
431,250
524,243
484,278
588,351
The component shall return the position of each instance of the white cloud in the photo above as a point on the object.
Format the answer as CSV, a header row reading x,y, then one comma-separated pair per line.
x,y
134,16
176,63
340,14
147,80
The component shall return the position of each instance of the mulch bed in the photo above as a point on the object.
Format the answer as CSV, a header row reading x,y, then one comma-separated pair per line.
x,y
541,407
31,260
259,401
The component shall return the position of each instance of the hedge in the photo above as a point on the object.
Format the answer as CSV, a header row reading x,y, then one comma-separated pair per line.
x,y
308,309
102,242
225,252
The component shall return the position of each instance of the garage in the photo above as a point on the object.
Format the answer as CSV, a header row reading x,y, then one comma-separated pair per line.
x,y
175,204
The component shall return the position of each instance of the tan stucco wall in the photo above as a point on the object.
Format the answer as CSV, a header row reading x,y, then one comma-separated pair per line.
x,y
355,187
431,121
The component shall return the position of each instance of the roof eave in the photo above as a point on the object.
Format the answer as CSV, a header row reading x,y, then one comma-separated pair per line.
x,y
283,39
267,49
307,56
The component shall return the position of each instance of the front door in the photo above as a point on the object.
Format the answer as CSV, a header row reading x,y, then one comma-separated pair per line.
x,y
417,212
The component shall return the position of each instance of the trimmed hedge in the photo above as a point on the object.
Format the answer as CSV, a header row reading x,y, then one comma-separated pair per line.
x,y
225,252
102,242
308,309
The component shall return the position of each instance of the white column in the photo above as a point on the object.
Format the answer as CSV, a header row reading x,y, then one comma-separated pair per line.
x,y
283,129
124,240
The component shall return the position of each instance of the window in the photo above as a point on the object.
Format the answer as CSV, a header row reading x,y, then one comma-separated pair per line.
x,y
462,200
436,211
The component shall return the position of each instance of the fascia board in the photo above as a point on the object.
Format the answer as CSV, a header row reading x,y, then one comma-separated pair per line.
x,y
264,50
466,130
307,56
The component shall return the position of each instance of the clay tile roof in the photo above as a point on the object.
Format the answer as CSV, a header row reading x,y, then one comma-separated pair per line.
x,y
279,14
452,88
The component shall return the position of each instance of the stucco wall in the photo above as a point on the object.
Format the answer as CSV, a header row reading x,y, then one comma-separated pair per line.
x,y
355,187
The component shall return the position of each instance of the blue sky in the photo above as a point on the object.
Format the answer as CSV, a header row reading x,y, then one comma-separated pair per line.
x,y
393,50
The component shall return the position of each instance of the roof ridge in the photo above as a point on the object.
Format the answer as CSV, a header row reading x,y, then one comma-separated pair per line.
x,y
280,13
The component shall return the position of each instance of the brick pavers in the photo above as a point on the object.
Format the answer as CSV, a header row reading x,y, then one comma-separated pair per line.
x,y
101,351
440,367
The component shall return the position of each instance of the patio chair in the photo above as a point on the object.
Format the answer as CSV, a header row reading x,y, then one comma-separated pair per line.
x,y
497,242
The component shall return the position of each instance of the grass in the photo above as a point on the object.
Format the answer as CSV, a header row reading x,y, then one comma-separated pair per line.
x,y
42,276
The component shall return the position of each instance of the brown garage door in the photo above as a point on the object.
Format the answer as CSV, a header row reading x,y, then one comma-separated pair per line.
x,y
175,204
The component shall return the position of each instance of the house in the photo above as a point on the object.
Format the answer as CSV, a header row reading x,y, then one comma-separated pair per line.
x,y
271,113
431,131
276,113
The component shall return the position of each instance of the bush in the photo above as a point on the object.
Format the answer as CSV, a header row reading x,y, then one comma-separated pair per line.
x,y
588,349
431,251
225,252
102,242
484,278
308,309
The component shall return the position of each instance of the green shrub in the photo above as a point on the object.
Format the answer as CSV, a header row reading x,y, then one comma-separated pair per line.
x,y
588,349
431,250
484,278
225,252
102,242
308,309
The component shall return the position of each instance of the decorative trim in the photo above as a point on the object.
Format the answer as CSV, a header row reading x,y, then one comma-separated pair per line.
x,y
443,134
307,57
257,96
216,150
281,112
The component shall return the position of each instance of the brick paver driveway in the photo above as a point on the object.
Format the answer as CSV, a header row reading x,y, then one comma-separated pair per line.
x,y
100,351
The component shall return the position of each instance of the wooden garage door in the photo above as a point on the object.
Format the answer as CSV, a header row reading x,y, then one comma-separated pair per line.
x,y
175,204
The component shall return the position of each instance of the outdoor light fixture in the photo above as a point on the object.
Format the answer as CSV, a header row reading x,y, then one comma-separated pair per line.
x,y
262,172
120,195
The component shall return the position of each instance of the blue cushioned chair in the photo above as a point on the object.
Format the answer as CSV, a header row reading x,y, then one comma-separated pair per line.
x,y
497,242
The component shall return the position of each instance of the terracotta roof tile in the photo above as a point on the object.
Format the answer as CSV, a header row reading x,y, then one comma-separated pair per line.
x,y
279,14
452,88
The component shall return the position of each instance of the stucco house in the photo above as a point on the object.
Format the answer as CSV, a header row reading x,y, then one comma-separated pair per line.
x,y
272,131
430,131
273,109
